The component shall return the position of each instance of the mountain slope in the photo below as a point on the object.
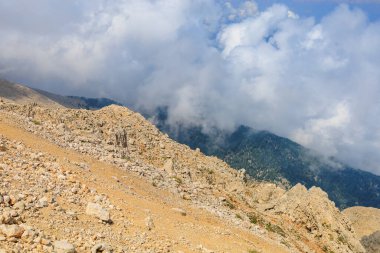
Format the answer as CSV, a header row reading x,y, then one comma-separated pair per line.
x,y
23,94
109,178
268,157
366,221
264,155
76,102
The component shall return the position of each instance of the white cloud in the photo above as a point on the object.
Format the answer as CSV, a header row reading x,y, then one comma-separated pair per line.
x,y
211,63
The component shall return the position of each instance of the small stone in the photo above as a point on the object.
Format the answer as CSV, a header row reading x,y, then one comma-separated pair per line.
x,y
20,205
180,211
6,200
101,247
43,202
149,223
45,241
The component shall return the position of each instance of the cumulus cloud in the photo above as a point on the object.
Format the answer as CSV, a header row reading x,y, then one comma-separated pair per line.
x,y
211,63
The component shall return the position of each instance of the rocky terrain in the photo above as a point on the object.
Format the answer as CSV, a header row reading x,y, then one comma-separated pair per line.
x,y
366,221
372,242
108,180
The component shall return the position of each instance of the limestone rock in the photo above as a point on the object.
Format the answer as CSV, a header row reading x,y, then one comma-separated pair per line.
x,y
63,247
97,211
169,167
101,247
12,230
149,222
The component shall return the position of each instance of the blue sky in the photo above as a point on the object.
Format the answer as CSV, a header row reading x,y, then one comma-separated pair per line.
x,y
319,8
305,70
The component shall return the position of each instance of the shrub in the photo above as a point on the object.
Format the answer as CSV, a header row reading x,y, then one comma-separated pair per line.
x,y
229,204
275,228
36,122
178,180
342,239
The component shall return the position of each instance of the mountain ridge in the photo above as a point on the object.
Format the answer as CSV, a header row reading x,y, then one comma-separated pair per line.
x,y
298,220
264,155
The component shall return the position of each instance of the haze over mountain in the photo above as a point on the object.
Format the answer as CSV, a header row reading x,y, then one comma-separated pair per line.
x,y
213,63
268,157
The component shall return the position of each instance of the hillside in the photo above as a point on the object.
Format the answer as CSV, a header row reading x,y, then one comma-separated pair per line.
x,y
265,156
76,102
366,222
22,94
75,180
268,157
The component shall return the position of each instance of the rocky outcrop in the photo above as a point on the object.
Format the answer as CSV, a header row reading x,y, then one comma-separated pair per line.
x,y
312,211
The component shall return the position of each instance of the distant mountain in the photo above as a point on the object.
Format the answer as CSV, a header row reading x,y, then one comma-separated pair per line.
x,y
23,94
268,157
76,102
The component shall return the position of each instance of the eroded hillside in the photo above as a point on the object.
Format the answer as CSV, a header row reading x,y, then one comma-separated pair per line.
x,y
109,179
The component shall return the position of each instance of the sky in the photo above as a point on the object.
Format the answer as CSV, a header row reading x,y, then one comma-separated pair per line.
x,y
308,70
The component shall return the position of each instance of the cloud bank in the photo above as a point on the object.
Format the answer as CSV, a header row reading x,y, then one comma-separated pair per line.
x,y
212,63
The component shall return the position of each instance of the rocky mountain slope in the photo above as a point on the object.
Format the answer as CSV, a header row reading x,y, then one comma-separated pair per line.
x,y
263,155
366,222
266,156
372,242
22,94
76,102
97,181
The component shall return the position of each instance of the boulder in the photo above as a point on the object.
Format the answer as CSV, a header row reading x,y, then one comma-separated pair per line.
x,y
63,247
12,230
101,247
97,211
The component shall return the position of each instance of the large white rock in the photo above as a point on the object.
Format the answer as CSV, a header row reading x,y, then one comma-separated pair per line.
x,y
97,211
63,247
12,230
